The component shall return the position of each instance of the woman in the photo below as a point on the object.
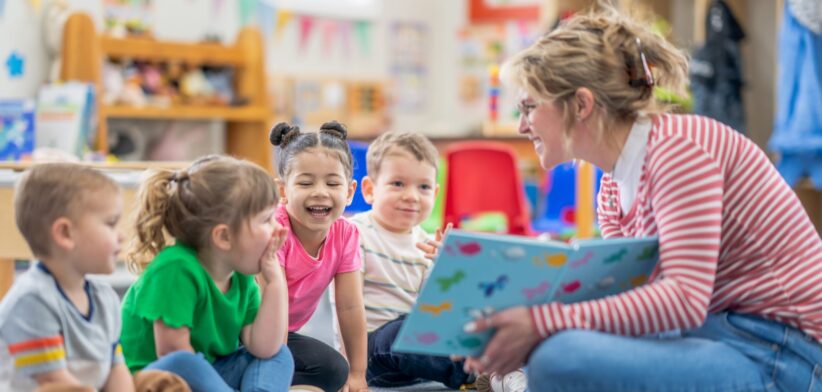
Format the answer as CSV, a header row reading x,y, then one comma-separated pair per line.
x,y
736,300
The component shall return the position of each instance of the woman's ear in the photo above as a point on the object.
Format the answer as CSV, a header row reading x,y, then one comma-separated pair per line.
x,y
584,104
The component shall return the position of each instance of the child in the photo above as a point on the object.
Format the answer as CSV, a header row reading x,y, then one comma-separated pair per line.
x,y
401,187
316,184
739,260
195,310
61,330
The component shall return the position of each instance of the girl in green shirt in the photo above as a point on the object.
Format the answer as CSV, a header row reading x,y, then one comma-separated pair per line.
x,y
196,310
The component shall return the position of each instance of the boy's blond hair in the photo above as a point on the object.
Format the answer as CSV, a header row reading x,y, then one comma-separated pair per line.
x,y
418,145
49,191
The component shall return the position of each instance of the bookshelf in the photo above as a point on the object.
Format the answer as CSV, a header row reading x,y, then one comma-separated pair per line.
x,y
247,126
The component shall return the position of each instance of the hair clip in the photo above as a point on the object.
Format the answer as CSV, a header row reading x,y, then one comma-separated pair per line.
x,y
648,78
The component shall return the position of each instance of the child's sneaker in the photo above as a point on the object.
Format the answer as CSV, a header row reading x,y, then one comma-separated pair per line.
x,y
515,381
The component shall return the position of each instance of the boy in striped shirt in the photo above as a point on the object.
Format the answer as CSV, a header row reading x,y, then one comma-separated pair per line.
x,y
56,326
400,186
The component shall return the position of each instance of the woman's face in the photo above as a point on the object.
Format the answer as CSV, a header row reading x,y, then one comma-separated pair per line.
x,y
541,122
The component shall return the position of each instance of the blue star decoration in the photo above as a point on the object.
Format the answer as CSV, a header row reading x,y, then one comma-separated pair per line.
x,y
15,64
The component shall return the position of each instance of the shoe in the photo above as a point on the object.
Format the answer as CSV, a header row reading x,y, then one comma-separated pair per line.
x,y
304,388
515,381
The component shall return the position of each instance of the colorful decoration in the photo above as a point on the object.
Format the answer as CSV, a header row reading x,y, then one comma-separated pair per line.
x,y
488,288
306,27
436,309
531,292
363,29
2,7
446,282
584,260
283,18
15,64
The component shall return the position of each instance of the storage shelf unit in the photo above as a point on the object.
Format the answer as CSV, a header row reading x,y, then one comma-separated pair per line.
x,y
247,126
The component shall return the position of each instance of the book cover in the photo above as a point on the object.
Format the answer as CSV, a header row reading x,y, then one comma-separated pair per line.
x,y
16,129
65,114
476,274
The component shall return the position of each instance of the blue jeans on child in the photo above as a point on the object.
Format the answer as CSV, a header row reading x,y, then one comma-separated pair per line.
x,y
239,371
730,352
387,368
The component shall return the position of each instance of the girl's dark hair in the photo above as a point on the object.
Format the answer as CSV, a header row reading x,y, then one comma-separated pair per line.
x,y
291,142
188,203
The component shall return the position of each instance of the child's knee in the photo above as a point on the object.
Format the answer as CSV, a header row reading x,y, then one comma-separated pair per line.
x,y
283,360
336,372
177,360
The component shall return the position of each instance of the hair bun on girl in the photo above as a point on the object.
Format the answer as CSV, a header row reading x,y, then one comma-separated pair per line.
x,y
281,133
334,128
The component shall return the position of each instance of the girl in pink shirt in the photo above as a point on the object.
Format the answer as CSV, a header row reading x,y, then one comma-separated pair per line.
x,y
316,184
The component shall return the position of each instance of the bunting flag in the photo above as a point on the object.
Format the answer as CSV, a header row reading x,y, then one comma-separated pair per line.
x,y
345,38
2,7
218,5
363,37
265,18
329,30
35,4
245,11
306,26
283,17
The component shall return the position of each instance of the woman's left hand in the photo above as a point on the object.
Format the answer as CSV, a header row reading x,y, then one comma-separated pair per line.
x,y
355,383
513,341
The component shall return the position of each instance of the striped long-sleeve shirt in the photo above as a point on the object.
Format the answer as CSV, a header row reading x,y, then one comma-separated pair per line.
x,y
733,237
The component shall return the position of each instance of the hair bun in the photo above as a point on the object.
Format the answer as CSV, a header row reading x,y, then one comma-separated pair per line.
x,y
279,134
334,128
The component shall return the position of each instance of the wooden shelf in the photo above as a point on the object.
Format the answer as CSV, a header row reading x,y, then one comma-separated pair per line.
x,y
246,126
228,113
150,49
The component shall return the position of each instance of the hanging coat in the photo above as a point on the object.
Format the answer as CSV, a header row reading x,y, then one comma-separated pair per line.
x,y
797,133
716,69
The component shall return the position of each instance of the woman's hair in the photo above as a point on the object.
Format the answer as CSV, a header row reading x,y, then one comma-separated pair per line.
x,y
615,57
291,142
188,203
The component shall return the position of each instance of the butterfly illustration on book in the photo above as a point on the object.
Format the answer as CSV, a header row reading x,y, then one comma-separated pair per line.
x,y
488,288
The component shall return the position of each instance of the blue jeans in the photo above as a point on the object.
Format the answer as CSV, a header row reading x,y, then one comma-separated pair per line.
x,y
239,371
730,352
391,369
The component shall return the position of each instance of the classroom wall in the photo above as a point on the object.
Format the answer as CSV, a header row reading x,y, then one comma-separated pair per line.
x,y
191,20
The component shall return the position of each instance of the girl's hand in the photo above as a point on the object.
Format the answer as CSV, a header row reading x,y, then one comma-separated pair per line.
x,y
269,264
355,383
430,247
512,343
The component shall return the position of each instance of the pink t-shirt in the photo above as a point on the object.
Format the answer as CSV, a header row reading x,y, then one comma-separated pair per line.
x,y
308,277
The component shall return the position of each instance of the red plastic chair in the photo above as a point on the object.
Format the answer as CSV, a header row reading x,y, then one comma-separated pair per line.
x,y
483,177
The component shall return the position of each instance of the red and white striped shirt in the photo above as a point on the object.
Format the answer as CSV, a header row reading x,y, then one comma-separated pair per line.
x,y
732,237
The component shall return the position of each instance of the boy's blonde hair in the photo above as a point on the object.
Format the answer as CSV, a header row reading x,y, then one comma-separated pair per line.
x,y
188,203
601,51
49,191
418,145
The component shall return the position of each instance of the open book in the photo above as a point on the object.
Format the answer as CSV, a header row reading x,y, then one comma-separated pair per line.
x,y
476,274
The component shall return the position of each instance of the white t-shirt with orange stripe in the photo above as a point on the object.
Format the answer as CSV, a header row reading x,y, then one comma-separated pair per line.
x,y
42,331
733,237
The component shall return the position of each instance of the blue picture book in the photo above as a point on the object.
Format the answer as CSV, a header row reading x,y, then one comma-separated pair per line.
x,y
476,274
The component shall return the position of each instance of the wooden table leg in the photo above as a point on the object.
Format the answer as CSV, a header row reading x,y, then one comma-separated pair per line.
x,y
6,275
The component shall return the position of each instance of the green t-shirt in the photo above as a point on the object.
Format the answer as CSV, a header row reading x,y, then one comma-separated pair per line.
x,y
178,290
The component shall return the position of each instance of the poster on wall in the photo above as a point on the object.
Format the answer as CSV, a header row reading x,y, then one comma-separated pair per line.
x,y
128,17
409,69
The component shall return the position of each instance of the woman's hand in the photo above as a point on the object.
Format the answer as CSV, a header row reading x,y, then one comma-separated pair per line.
x,y
430,247
511,344
269,264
